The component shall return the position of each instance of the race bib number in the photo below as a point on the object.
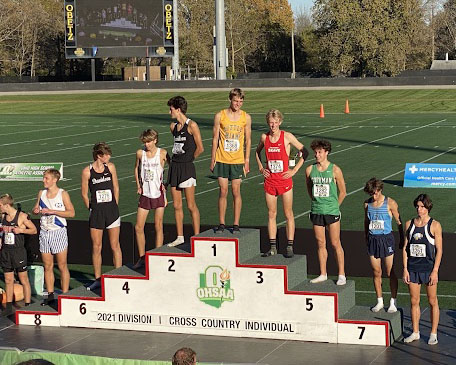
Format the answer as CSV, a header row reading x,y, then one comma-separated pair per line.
x,y
418,250
178,148
321,190
9,238
377,225
48,219
231,145
148,175
104,196
275,166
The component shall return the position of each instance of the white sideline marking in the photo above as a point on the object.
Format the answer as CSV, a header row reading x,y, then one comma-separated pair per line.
x,y
68,148
67,136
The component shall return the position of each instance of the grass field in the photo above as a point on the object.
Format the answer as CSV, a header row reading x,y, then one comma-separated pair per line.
x,y
385,129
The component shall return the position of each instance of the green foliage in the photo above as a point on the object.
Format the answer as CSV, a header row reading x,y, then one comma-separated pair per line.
x,y
367,37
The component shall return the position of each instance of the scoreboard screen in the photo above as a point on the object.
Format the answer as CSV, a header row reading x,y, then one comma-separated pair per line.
x,y
112,28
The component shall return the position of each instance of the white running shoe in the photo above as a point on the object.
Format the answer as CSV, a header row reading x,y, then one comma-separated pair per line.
x,y
392,308
178,241
377,308
433,339
413,337
319,279
342,280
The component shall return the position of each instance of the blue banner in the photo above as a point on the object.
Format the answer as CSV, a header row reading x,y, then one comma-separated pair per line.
x,y
424,175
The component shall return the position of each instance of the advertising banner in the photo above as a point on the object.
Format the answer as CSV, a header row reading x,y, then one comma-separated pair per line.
x,y
27,171
425,175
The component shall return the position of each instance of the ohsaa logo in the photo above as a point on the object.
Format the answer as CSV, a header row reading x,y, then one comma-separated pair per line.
x,y
215,286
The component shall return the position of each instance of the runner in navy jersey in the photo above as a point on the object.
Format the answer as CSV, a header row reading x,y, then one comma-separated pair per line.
x,y
100,179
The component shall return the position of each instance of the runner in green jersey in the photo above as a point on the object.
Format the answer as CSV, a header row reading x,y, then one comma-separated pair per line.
x,y
326,188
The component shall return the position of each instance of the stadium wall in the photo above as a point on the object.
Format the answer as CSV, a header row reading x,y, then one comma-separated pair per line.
x,y
440,80
356,259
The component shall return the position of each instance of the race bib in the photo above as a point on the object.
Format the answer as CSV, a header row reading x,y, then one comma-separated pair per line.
x,y
377,225
178,148
321,190
104,196
275,166
48,220
148,175
9,238
418,250
231,145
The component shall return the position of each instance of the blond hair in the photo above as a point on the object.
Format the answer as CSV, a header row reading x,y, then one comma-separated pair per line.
x,y
275,114
149,135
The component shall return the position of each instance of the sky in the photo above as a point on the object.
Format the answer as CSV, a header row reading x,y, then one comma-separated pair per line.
x,y
295,4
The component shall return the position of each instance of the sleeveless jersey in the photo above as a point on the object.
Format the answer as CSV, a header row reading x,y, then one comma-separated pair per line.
x,y
420,248
101,188
151,175
379,218
324,191
10,239
277,160
184,144
52,222
231,139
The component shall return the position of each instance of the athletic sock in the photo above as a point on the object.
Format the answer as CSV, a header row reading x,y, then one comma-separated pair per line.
x,y
378,306
178,241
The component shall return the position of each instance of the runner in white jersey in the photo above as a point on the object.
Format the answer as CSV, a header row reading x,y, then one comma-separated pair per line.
x,y
149,166
54,205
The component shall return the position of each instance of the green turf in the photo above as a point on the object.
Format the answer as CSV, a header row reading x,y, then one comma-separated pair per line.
x,y
386,129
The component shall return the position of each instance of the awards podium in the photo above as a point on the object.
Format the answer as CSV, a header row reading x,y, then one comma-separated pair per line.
x,y
223,287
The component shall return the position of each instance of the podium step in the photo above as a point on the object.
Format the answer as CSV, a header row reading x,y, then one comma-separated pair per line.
x,y
220,285
345,293
361,313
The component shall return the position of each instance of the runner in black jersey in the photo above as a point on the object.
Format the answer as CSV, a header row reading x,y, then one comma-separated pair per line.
x,y
100,178
422,254
13,256
181,175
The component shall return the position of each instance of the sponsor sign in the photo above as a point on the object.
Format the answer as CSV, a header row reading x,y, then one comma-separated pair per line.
x,y
27,171
423,175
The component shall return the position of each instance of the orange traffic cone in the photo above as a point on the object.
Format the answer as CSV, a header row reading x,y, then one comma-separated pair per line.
x,y
347,108
322,111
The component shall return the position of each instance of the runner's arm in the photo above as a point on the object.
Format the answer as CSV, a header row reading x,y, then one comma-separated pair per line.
x,y
137,163
194,130
215,138
248,143
340,182
115,181
436,230
85,187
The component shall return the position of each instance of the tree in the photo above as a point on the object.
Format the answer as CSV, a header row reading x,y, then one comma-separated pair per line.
x,y
446,30
367,37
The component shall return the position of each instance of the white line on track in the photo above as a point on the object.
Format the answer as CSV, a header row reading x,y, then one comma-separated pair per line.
x,y
66,136
34,130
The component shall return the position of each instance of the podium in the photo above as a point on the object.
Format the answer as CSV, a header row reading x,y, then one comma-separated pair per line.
x,y
222,287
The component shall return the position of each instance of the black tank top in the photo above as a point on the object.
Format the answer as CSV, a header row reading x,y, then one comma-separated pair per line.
x,y
19,239
101,188
184,144
420,248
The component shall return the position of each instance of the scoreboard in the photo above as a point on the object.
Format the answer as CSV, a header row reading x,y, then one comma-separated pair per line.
x,y
119,28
